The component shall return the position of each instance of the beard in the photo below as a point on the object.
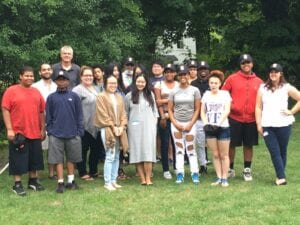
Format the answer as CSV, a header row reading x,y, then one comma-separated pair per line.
x,y
45,78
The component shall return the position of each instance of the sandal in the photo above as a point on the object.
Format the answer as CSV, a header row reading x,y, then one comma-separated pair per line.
x,y
95,175
87,177
122,175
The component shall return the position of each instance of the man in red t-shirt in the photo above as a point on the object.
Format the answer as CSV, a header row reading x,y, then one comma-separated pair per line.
x,y
23,112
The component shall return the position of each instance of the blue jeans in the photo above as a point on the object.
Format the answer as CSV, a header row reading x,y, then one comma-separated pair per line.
x,y
111,163
276,139
165,135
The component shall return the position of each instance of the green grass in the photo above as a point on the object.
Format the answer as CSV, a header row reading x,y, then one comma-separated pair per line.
x,y
258,202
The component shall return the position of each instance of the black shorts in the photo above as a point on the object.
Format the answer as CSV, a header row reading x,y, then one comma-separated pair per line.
x,y
30,158
243,134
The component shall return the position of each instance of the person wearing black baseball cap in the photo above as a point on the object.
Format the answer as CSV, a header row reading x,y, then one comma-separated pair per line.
x,y
243,86
202,84
184,109
192,70
162,91
127,75
273,118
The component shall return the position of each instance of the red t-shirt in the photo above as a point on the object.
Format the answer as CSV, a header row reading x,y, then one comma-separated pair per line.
x,y
25,106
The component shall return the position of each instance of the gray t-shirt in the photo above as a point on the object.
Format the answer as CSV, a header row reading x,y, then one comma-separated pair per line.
x,y
88,102
184,102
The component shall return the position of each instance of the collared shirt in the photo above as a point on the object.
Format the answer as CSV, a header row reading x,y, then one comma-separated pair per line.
x,y
73,73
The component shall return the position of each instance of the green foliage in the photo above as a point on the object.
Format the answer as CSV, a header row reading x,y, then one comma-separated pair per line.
x,y
268,29
31,32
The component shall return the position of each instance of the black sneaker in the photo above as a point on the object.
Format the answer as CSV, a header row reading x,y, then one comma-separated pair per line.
x,y
60,187
36,186
72,186
203,170
19,189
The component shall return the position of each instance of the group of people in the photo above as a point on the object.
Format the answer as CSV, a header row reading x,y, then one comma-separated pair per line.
x,y
93,113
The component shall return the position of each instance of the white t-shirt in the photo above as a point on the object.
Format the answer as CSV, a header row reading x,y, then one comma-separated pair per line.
x,y
215,106
44,88
272,105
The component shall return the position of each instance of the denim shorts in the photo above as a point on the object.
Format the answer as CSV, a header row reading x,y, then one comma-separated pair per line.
x,y
222,134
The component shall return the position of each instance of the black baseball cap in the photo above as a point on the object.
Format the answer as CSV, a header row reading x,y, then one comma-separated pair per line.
x,y
245,58
193,63
182,69
203,65
277,67
129,61
170,66
62,74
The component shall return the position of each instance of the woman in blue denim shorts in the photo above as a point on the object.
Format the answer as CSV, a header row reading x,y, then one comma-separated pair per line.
x,y
215,109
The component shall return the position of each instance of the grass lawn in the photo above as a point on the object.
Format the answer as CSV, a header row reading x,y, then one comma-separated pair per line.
x,y
258,202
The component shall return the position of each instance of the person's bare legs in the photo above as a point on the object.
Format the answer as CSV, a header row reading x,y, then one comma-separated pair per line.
x,y
223,147
148,172
248,154
140,169
17,178
231,155
70,168
213,145
51,168
60,171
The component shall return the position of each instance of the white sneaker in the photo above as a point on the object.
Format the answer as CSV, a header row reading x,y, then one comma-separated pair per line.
x,y
231,173
115,185
247,174
109,187
167,175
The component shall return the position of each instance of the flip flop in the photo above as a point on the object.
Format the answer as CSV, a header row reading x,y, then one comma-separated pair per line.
x,y
87,177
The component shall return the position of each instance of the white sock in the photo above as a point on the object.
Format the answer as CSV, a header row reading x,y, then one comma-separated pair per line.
x,y
60,180
70,178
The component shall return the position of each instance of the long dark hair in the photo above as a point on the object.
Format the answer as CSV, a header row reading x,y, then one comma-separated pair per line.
x,y
269,84
146,92
109,71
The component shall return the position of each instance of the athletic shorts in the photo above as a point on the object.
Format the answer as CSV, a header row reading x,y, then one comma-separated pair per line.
x,y
223,134
243,134
58,147
30,158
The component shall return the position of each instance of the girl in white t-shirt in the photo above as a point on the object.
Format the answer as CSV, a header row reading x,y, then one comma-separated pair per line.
x,y
215,109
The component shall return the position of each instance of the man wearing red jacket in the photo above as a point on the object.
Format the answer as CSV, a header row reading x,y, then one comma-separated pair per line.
x,y
243,86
